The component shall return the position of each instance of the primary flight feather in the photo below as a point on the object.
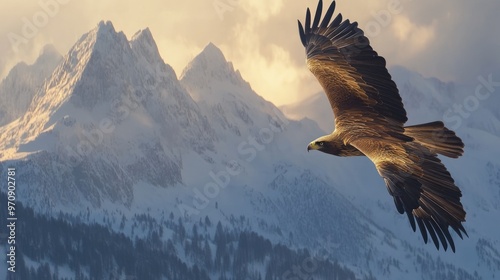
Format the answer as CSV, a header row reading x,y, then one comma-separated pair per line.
x,y
369,121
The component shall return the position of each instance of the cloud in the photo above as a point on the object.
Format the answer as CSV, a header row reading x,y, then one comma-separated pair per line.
x,y
462,46
263,9
260,47
450,39
417,38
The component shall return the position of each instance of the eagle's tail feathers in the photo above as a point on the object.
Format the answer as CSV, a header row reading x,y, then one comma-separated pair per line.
x,y
437,138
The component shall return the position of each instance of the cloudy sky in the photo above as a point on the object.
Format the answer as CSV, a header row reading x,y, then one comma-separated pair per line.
x,y
451,39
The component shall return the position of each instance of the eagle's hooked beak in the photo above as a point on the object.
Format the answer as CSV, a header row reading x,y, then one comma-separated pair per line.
x,y
312,146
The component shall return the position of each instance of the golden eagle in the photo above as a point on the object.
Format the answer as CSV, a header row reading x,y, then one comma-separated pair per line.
x,y
369,121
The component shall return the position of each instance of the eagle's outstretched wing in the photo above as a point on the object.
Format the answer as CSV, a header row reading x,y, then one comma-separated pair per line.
x,y
421,186
354,77
370,117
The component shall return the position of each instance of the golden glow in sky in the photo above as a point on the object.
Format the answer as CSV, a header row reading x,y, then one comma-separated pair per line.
x,y
260,37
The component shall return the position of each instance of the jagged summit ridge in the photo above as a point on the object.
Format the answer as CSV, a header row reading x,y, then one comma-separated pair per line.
x,y
224,96
213,55
211,66
145,37
105,31
146,52
142,42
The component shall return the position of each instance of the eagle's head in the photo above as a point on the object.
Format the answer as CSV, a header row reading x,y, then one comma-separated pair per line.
x,y
316,145
328,144
323,144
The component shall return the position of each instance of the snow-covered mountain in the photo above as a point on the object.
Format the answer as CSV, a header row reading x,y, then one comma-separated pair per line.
x,y
114,133
108,117
22,83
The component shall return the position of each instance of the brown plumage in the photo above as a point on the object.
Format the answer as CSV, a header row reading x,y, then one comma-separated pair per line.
x,y
369,120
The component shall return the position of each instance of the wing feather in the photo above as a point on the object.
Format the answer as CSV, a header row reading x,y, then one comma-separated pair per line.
x,y
421,186
317,16
308,21
328,15
336,21
352,74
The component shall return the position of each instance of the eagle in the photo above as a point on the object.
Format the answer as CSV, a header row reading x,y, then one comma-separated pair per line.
x,y
370,121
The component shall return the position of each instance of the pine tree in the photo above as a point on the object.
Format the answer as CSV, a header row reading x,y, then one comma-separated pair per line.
x,y
208,223
181,230
207,256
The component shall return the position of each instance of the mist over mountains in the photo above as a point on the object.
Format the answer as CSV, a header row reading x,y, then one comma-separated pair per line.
x,y
109,139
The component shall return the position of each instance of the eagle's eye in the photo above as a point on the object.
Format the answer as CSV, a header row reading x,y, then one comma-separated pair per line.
x,y
320,143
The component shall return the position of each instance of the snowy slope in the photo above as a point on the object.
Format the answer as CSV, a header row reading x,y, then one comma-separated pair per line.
x,y
114,132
